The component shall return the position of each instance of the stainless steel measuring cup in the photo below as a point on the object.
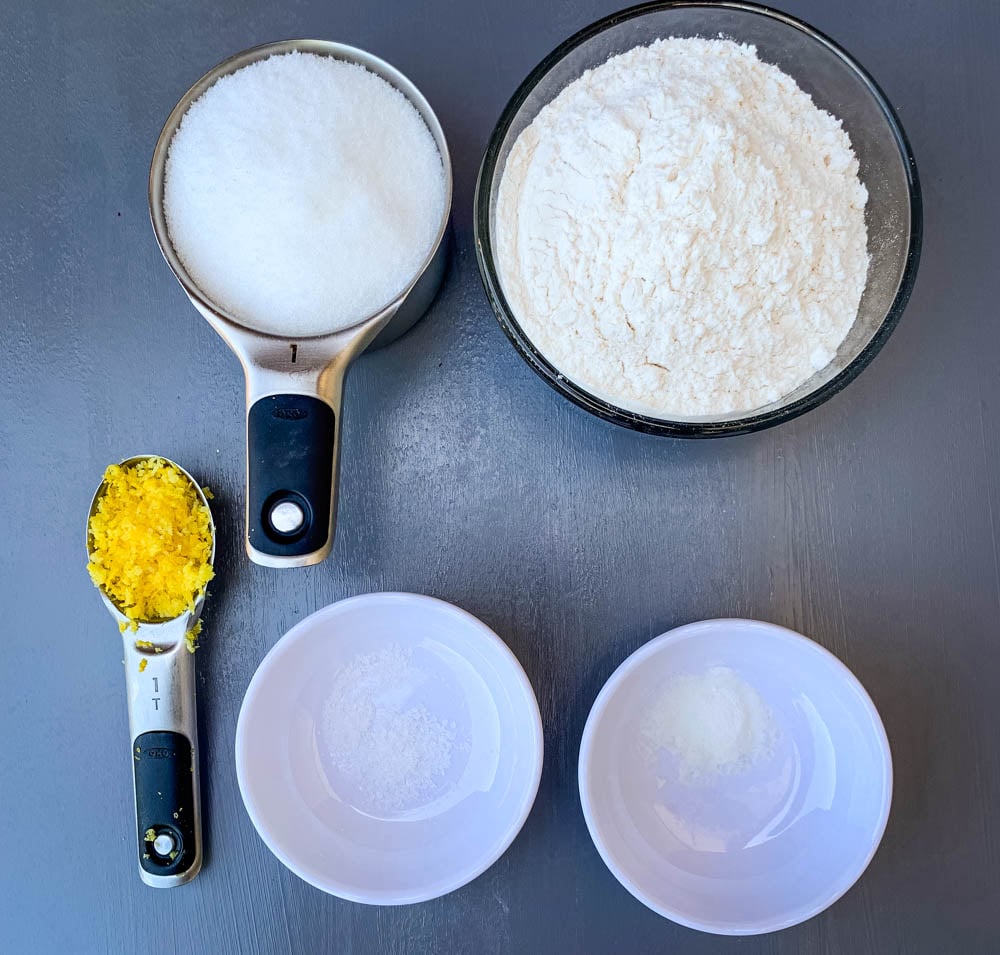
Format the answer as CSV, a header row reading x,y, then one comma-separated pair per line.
x,y
294,384
163,727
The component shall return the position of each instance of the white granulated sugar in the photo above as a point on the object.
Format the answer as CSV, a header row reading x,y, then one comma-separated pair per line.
x,y
303,193
392,750
681,231
714,723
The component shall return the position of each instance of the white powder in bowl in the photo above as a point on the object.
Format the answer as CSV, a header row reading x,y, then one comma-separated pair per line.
x,y
303,193
681,231
393,750
714,723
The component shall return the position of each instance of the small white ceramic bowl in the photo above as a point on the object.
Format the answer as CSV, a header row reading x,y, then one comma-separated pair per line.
x,y
747,852
323,824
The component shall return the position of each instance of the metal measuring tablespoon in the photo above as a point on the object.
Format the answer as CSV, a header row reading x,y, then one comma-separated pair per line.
x,y
163,725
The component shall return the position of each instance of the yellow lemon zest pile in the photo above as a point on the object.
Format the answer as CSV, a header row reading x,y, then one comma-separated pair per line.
x,y
151,541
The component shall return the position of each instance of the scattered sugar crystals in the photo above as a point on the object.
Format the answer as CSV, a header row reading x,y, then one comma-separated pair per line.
x,y
387,745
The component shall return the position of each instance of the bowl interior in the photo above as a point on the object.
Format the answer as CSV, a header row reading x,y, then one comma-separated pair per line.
x,y
332,832
746,852
835,83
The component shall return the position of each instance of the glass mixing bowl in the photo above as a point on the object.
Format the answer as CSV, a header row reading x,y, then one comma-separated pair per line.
x,y
838,84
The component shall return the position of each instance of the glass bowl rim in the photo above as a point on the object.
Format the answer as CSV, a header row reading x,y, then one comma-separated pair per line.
x,y
745,423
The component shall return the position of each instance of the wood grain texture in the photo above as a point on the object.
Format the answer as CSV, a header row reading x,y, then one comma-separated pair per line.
x,y
871,524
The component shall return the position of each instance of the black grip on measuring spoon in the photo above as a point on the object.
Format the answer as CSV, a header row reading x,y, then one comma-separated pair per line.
x,y
290,444
163,765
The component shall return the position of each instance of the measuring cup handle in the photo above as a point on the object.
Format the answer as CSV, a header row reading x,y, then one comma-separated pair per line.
x,y
291,479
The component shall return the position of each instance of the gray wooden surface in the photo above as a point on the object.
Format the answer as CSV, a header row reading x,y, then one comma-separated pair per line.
x,y
870,524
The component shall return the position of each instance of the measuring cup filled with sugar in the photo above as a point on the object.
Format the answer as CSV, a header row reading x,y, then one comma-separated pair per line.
x,y
300,192
151,549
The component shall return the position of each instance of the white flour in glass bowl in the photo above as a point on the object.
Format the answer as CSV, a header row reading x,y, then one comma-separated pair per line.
x,y
681,231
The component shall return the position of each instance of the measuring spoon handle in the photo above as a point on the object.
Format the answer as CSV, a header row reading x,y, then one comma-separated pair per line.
x,y
164,734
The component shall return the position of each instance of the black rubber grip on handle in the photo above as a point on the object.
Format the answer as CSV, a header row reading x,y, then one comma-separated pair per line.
x,y
163,764
290,444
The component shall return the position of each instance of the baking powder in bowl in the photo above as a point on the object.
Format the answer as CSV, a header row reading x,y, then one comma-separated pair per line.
x,y
681,231
714,723
303,193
